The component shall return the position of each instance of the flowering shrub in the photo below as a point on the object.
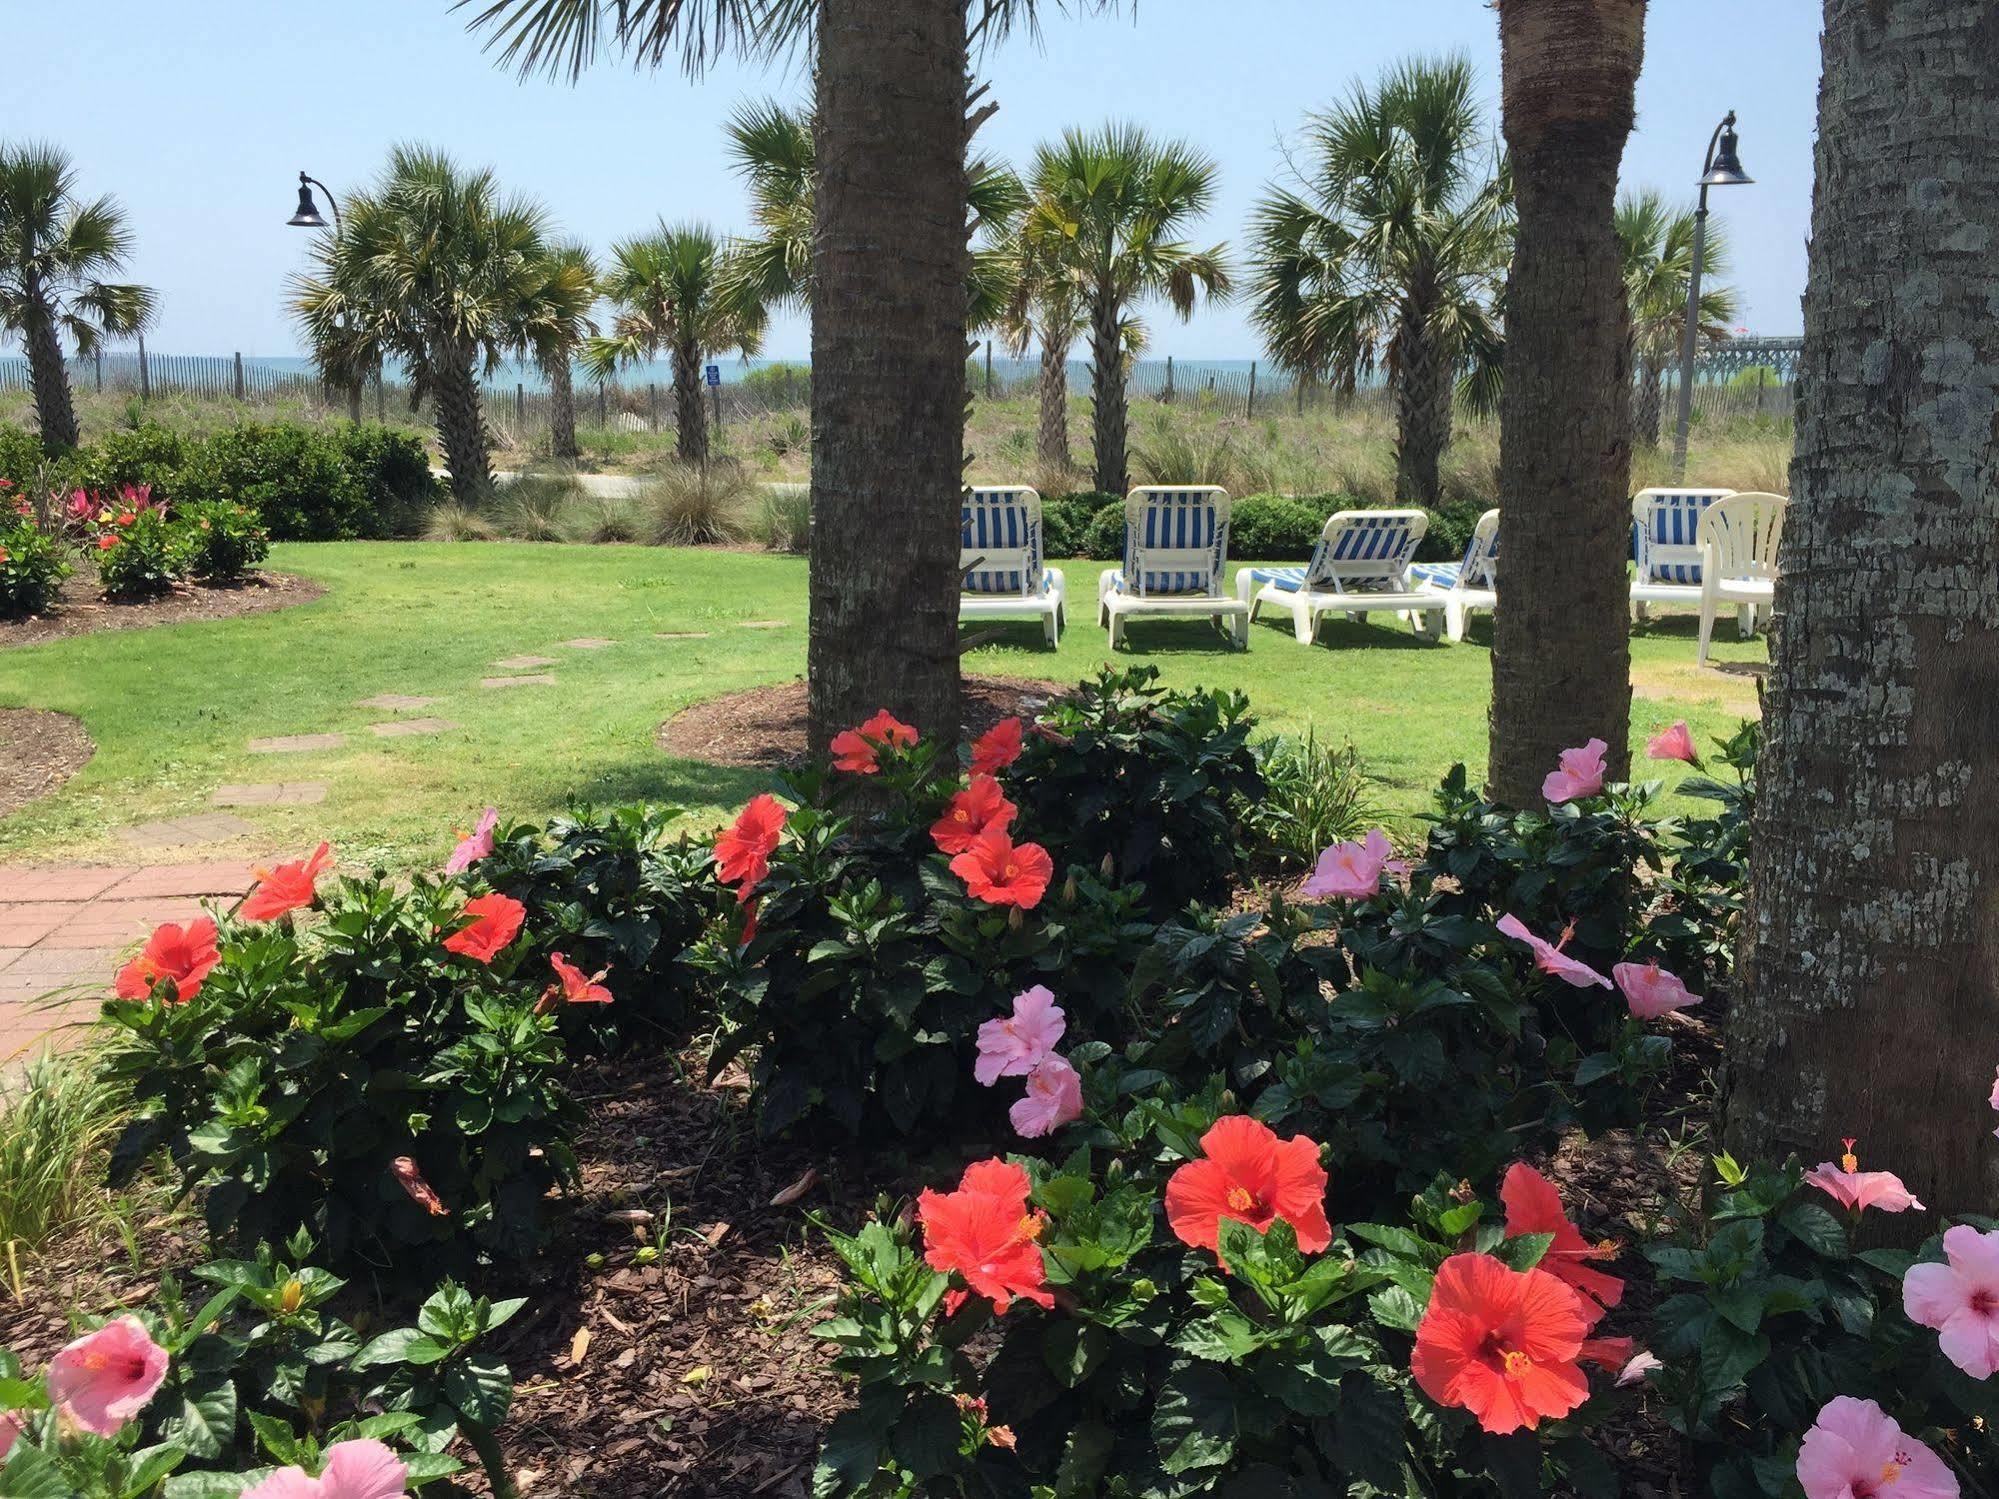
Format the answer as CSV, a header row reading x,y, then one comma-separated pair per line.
x,y
223,540
139,553
33,562
1699,908
386,1075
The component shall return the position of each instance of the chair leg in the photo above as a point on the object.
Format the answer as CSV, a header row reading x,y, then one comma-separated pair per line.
x,y
1427,624
1054,627
1117,630
1639,609
1304,624
1454,620
1745,620
1707,628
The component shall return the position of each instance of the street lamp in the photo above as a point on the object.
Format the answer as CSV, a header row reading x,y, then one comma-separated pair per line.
x,y
1722,168
307,216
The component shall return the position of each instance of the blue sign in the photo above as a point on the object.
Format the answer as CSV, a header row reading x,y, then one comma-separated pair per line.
x,y
714,373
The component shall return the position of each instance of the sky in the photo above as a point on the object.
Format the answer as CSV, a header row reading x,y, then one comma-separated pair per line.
x,y
199,115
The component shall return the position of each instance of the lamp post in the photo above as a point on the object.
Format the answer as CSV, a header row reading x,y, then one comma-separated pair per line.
x,y
1722,168
307,216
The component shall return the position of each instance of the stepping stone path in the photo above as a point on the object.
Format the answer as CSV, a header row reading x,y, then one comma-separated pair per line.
x,y
185,832
296,744
396,702
63,926
524,663
538,679
588,643
760,624
271,794
681,634
402,727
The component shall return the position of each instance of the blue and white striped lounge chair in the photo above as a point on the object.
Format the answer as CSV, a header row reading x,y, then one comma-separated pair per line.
x,y
1469,584
1665,526
1360,564
1000,557
1176,558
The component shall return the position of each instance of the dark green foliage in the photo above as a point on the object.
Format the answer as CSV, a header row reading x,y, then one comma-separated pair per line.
x,y
33,562
223,540
149,455
390,468
295,477
1274,528
139,552
1103,538
1066,519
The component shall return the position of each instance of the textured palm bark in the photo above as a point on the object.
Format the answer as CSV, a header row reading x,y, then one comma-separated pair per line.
x,y
461,426
561,407
890,260
1109,415
1051,443
55,410
1422,391
1870,989
1647,399
1561,660
690,417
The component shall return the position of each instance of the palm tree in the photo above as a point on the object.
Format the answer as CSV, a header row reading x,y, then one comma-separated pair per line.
x,y
560,325
1391,250
1561,657
1870,963
435,268
1105,205
1658,259
55,251
666,288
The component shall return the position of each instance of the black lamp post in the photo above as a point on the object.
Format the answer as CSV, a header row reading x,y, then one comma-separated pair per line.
x,y
307,216
1722,168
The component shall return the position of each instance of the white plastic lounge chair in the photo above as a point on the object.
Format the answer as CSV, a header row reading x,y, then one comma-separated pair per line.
x,y
1000,554
1738,543
1176,555
1664,526
1361,563
1468,584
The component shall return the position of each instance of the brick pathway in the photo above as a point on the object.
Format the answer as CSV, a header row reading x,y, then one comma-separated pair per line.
x,y
66,928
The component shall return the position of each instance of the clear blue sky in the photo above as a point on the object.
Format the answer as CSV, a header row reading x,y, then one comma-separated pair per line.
x,y
199,115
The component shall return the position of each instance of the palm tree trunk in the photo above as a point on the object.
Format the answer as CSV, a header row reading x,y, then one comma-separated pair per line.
x,y
1108,417
461,426
1422,388
561,407
690,417
55,409
1051,446
1561,657
1870,967
888,363
1648,398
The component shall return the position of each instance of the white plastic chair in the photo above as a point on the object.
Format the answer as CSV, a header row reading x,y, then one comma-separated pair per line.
x,y
1360,564
1665,526
1176,555
1467,585
999,553
1738,540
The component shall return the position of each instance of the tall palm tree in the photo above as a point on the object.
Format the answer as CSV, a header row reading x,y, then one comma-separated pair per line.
x,y
1658,246
55,251
434,267
1876,853
1106,205
1561,658
666,291
1391,250
559,325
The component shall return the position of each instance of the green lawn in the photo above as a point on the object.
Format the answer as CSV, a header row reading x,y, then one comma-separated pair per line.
x,y
171,709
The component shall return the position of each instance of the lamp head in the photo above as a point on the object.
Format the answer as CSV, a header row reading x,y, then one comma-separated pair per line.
x,y
1726,169
307,216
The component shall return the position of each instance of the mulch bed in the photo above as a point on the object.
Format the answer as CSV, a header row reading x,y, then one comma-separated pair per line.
x,y
39,750
764,728
81,607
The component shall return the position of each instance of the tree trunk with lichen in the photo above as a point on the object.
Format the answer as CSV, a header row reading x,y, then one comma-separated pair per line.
x,y
1561,659
1871,964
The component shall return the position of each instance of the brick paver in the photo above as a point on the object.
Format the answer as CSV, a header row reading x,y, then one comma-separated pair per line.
x,y
295,744
270,794
187,832
399,728
397,702
536,679
524,663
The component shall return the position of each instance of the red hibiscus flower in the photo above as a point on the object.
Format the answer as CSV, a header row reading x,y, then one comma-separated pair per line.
x,y
979,806
288,887
997,748
1501,1343
185,955
574,985
857,750
1000,872
106,543
1253,1177
984,1232
1534,1207
498,922
743,849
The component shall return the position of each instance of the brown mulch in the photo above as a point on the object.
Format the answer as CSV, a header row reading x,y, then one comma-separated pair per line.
x,y
39,750
764,728
81,607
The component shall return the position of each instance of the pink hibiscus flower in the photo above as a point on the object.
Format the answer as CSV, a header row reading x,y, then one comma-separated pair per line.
x,y
1548,956
475,845
1017,1044
1581,773
1054,1098
1650,991
1676,743
1960,1299
104,1378
1857,1451
1858,1190
364,1469
1352,871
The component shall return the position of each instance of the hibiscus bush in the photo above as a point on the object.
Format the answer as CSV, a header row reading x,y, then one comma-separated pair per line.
x,y
386,1074
223,540
33,563
139,552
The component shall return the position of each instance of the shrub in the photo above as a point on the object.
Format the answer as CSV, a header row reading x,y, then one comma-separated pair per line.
x,y
602,518
223,540
139,553
1103,538
391,471
148,454
777,387
537,507
1313,797
785,524
697,504
56,1114
1699,911
1065,521
452,521
1274,528
21,454
295,477
33,564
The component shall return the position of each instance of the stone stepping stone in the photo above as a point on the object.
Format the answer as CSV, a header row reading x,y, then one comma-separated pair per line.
x,y
524,663
681,634
401,727
396,702
271,794
183,832
538,679
296,744
588,643
760,624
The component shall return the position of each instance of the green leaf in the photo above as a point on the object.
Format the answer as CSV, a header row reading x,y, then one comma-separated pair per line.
x,y
1073,1350
1816,1228
1085,1457
401,1345
31,1473
1728,1354
1524,1251
1194,1421
150,1466
1368,1431
481,1389
206,1421
925,1440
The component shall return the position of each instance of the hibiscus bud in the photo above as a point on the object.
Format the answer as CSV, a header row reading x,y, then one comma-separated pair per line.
x,y
1106,868
1069,890
1143,1291
1015,919
292,1297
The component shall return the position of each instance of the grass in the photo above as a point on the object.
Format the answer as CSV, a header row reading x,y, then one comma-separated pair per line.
x,y
171,709
57,1116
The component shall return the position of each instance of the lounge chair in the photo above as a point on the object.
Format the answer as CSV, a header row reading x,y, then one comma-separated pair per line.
x,y
1360,564
1664,525
1000,556
1738,540
1470,583
1176,555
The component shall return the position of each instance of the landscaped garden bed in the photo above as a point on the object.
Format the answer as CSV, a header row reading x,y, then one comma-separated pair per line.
x,y
80,607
